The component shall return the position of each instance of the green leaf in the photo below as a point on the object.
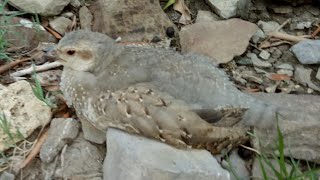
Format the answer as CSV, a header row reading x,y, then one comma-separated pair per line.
x,y
169,3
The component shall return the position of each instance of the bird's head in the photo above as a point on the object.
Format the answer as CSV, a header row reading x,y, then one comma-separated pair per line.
x,y
82,50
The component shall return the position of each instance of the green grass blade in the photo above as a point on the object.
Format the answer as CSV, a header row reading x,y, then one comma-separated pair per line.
x,y
168,4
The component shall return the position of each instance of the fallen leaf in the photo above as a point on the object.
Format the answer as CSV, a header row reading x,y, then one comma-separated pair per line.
x,y
180,6
277,77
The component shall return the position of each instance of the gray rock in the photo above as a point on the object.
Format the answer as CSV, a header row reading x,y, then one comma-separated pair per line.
x,y
307,51
303,25
282,9
205,16
275,52
257,172
75,3
285,66
303,76
318,74
60,24
269,26
133,20
6,176
133,157
82,160
85,17
42,7
264,54
257,62
69,15
236,166
285,71
91,133
228,8
301,132
61,132
258,36
212,39
23,111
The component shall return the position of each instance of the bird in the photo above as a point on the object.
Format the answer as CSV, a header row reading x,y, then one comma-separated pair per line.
x,y
156,93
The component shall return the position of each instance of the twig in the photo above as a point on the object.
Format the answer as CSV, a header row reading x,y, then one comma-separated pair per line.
x,y
34,152
37,68
53,32
12,64
287,37
316,32
251,149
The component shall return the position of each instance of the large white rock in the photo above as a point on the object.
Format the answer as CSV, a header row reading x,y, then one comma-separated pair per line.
x,y
22,110
131,157
42,7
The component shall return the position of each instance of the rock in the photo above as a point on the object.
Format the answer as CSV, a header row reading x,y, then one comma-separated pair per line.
x,y
301,137
269,26
44,8
257,172
257,62
237,165
7,176
69,15
212,39
205,16
61,24
275,52
228,8
91,133
285,71
75,3
248,75
302,25
134,157
318,74
307,51
24,33
85,17
264,54
82,160
23,111
285,66
258,36
282,9
303,76
61,132
133,20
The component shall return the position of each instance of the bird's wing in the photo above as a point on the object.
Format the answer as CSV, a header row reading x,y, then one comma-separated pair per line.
x,y
146,111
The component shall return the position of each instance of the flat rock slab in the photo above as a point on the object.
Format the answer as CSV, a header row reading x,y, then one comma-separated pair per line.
x,y
42,7
23,112
133,20
307,51
132,157
301,138
220,40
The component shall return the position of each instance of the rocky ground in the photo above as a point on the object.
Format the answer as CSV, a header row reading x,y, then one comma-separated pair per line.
x,y
269,49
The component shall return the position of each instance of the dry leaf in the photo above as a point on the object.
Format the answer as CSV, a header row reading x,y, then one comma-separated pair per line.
x,y
277,77
180,6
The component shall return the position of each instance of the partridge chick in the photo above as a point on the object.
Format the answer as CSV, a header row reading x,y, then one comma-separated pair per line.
x,y
155,93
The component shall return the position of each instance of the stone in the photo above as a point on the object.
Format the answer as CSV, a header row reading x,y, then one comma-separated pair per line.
x,y
81,160
61,24
7,176
236,166
257,172
285,66
23,111
264,54
282,9
303,25
300,136
257,62
258,36
205,16
75,3
269,26
318,74
22,32
133,20
286,72
138,158
303,76
86,18
212,39
228,8
61,132
275,53
307,51
91,133
42,7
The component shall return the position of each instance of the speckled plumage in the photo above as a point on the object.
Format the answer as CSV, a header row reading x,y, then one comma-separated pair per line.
x,y
157,93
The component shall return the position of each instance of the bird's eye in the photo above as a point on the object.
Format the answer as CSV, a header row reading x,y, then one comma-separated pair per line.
x,y
71,52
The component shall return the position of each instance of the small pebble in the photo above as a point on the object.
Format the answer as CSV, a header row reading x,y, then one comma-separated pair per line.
x,y
170,32
264,54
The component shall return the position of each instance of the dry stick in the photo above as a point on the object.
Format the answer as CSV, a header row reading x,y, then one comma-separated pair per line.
x,y
37,69
287,37
316,32
10,65
54,33
34,152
